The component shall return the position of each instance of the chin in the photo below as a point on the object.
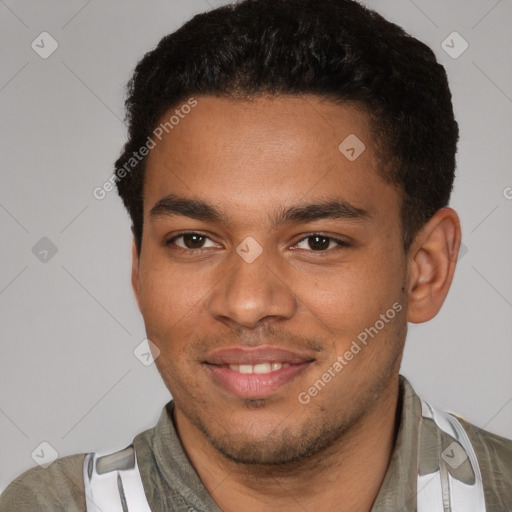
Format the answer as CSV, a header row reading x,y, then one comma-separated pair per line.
x,y
274,446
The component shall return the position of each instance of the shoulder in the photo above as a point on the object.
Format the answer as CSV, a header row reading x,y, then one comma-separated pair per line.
x,y
59,487
494,455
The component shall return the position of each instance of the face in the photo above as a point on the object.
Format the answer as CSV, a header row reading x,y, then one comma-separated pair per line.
x,y
271,275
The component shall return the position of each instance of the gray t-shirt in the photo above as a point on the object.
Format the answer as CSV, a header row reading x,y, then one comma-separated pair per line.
x,y
171,483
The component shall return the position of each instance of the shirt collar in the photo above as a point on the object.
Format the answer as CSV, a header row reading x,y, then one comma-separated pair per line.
x,y
398,489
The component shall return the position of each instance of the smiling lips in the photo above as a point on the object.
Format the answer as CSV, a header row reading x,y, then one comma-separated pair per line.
x,y
255,372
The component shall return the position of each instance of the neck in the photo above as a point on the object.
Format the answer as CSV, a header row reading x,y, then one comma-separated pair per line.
x,y
347,476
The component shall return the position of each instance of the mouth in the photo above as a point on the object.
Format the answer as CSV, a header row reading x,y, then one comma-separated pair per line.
x,y
255,373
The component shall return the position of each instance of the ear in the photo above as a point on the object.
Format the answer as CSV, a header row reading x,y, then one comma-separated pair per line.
x,y
135,272
432,259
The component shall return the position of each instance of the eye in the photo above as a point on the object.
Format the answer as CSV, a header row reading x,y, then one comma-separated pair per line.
x,y
321,243
190,241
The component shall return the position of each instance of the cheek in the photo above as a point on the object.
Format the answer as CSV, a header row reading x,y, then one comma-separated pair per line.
x,y
164,284
168,296
169,302
351,297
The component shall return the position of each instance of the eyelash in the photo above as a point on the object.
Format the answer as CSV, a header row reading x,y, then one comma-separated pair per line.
x,y
341,244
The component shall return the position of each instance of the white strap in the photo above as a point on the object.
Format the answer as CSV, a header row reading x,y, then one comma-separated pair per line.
x,y
447,488
113,483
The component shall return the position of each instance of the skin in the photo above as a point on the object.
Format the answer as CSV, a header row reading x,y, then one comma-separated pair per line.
x,y
250,159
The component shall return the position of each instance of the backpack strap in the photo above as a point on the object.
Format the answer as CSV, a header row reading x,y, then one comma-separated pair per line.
x,y
451,480
113,484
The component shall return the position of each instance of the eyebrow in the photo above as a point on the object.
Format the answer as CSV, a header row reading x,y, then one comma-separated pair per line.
x,y
336,209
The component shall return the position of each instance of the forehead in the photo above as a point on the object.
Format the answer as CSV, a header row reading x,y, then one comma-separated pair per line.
x,y
253,155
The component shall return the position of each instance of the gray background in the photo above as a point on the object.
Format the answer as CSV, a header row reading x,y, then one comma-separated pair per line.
x,y
68,375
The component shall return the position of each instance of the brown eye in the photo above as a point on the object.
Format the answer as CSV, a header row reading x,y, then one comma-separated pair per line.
x,y
318,242
193,241
321,243
189,241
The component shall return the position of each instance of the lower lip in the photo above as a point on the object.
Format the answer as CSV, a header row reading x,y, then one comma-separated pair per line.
x,y
254,385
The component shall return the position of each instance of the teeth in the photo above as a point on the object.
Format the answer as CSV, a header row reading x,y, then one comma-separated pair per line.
x,y
262,368
258,368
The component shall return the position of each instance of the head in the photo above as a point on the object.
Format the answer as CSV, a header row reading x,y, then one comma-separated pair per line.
x,y
307,150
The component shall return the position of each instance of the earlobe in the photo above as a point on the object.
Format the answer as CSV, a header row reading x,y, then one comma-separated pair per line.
x,y
432,262
135,273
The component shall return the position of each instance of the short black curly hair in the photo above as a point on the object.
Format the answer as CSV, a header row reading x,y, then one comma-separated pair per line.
x,y
335,49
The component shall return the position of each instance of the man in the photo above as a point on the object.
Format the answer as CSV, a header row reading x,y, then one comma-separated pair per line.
x,y
287,173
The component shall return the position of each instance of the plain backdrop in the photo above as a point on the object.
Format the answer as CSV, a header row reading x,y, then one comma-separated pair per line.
x,y
69,323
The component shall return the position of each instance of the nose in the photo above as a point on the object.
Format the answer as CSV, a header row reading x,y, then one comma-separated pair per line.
x,y
251,292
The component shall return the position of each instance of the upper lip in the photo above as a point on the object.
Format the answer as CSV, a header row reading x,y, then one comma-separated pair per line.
x,y
255,355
